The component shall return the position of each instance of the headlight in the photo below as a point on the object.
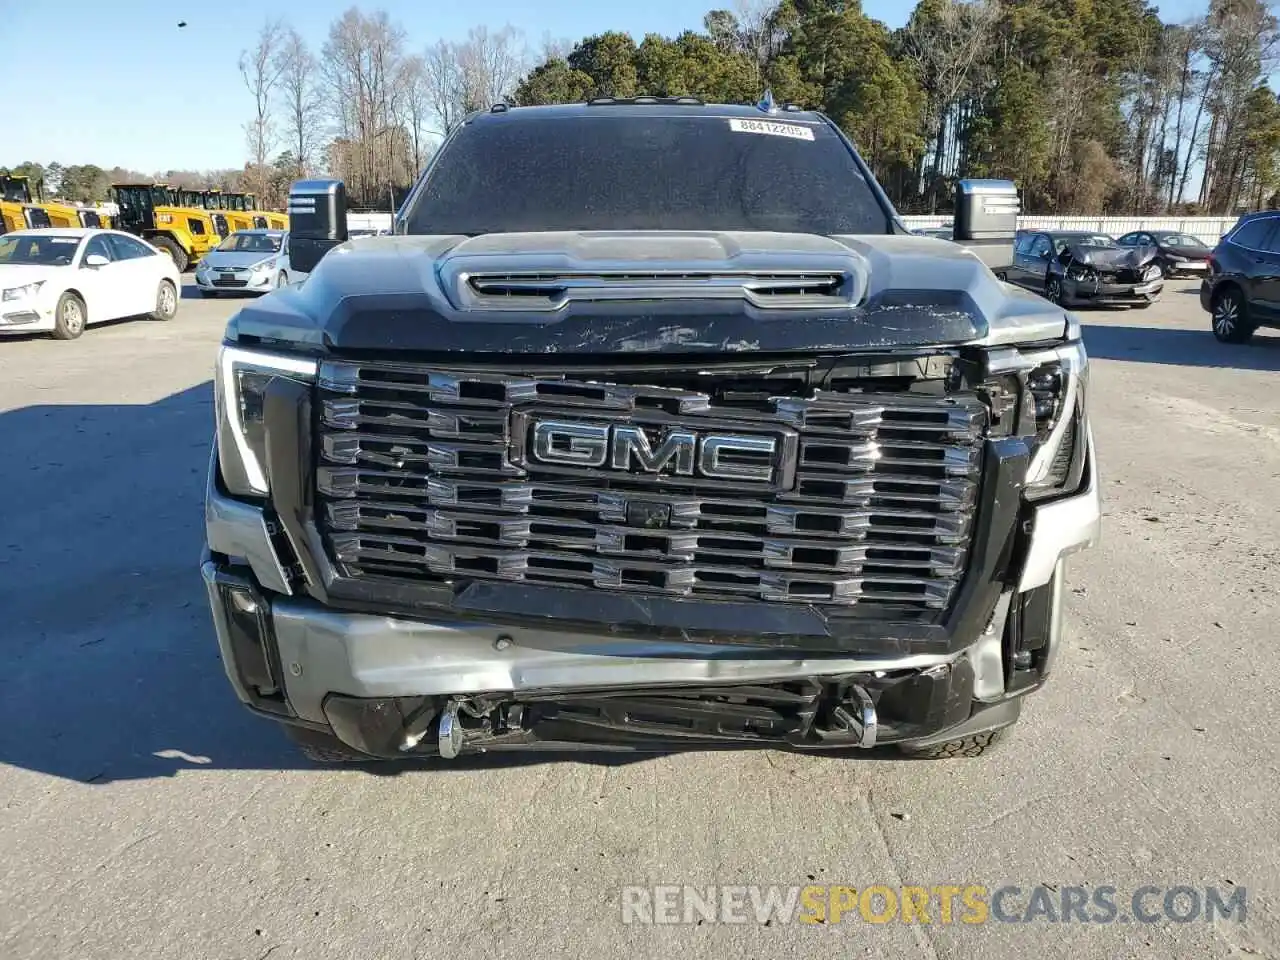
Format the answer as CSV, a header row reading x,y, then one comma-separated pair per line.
x,y
22,292
1055,398
264,264
242,378
1152,273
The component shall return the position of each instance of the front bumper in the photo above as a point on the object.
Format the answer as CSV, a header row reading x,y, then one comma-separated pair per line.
x,y
232,281
371,677
1077,292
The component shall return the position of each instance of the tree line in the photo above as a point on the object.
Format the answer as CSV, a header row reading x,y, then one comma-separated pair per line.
x,y
1089,105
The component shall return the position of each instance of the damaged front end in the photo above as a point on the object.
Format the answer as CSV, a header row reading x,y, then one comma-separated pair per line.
x,y
1110,275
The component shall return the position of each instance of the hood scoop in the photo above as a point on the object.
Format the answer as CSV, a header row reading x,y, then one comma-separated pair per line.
x,y
545,273
552,291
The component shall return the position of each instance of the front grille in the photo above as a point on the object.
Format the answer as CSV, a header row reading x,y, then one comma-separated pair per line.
x,y
429,475
222,281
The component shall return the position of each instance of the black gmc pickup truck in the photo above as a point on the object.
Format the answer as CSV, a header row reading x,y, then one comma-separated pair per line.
x,y
650,427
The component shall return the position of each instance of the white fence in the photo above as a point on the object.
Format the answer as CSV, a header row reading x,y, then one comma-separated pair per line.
x,y
1208,229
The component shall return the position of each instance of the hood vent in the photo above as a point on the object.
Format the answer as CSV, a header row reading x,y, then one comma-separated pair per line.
x,y
552,291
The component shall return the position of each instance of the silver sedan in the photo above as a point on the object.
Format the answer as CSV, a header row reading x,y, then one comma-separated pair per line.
x,y
248,261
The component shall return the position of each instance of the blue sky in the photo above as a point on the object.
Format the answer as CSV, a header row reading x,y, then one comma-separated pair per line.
x,y
122,85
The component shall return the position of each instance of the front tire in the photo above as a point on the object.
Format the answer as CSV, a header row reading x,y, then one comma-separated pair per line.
x,y
974,746
1053,290
175,252
1230,317
166,301
69,317
320,747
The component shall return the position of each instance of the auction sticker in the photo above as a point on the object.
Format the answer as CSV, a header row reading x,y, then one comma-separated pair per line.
x,y
793,130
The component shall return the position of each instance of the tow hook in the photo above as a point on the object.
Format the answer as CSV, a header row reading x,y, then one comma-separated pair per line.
x,y
450,731
854,719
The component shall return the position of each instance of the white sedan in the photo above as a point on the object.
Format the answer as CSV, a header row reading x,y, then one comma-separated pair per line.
x,y
57,280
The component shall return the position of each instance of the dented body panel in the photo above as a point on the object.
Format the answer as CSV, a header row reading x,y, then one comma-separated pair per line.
x,y
615,481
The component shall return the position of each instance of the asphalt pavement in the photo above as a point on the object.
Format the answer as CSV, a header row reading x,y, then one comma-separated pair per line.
x,y
144,814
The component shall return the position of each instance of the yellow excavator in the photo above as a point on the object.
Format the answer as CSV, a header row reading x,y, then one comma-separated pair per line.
x,y
19,212
266,219
172,219
242,210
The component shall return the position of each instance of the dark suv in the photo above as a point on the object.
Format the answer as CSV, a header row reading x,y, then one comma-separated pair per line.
x,y
1241,290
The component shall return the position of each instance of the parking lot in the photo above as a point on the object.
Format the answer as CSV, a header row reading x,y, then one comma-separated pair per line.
x,y
144,813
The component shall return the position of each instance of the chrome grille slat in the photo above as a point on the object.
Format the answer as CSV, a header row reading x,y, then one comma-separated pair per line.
x,y
417,482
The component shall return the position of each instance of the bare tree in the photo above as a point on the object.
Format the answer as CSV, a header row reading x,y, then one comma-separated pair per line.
x,y
492,64
303,103
362,68
480,71
415,102
261,70
445,86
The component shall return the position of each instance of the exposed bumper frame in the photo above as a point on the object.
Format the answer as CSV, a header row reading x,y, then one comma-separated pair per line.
x,y
318,650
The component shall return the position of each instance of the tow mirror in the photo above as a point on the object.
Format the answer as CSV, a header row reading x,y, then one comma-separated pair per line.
x,y
317,221
986,220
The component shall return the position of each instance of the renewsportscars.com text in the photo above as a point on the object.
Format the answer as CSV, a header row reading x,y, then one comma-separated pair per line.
x,y
941,904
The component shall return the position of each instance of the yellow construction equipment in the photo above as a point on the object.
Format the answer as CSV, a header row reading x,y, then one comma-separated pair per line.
x,y
264,219
20,211
17,212
172,219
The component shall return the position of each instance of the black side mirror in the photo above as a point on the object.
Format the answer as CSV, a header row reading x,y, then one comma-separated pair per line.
x,y
317,221
986,220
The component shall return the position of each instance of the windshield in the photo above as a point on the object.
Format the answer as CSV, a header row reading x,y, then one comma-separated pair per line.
x,y
250,243
645,172
1181,240
1083,240
47,250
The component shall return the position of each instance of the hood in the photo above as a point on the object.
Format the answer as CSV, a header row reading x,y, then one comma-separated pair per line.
x,y
235,258
20,274
1112,258
645,292
1191,253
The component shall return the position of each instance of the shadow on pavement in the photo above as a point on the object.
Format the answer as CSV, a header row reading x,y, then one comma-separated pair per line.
x,y
1187,348
110,665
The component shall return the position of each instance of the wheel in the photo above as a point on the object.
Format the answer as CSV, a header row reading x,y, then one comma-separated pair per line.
x,y
1002,276
69,317
175,252
973,746
282,280
1053,290
1230,317
166,302
321,747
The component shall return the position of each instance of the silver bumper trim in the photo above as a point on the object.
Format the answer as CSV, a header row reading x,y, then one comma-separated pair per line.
x,y
370,656
240,530
1063,527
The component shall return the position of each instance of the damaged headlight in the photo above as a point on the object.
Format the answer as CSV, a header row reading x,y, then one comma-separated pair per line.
x,y
240,392
1081,271
1054,400
1152,272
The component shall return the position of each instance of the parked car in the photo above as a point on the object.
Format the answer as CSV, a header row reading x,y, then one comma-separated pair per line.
x,y
59,280
247,261
1241,289
1175,252
1077,267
